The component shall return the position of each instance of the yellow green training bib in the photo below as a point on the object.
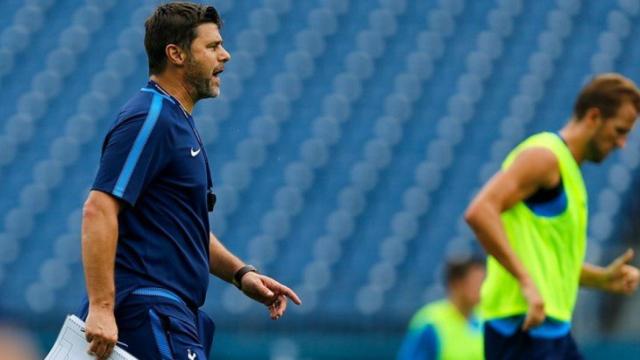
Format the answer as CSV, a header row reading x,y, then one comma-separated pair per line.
x,y
549,239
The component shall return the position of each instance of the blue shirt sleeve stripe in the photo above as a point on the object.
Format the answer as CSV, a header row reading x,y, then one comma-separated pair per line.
x,y
138,146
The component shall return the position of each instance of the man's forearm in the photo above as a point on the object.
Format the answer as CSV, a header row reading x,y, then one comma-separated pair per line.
x,y
222,263
99,241
592,276
487,226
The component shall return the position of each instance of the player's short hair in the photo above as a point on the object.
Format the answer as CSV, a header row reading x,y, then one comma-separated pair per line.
x,y
606,92
457,268
174,23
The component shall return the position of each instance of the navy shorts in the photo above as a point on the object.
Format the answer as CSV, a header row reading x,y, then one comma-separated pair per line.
x,y
155,324
521,345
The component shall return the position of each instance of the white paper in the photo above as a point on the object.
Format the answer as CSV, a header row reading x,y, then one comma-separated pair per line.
x,y
72,344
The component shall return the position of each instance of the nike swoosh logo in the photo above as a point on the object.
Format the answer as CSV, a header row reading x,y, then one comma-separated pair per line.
x,y
194,153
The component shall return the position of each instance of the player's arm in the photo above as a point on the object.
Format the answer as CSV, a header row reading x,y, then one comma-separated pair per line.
x,y
99,240
224,264
618,277
420,345
533,169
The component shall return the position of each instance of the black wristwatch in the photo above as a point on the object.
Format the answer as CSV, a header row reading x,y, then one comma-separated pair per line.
x,y
237,277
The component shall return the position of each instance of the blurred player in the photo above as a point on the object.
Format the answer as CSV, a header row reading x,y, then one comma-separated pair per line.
x,y
531,217
146,244
438,329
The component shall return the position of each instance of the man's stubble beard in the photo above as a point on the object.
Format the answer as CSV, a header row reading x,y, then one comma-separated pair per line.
x,y
594,154
199,83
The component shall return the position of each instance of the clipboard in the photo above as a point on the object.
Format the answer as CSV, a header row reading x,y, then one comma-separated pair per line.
x,y
71,344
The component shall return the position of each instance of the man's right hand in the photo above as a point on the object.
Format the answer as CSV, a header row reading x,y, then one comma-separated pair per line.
x,y
535,314
101,332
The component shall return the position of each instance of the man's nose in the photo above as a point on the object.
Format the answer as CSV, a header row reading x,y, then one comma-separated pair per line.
x,y
226,56
621,142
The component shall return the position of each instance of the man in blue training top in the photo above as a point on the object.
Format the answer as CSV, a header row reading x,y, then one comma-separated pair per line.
x,y
146,244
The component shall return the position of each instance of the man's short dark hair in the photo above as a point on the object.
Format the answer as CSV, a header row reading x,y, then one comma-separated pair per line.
x,y
174,23
606,92
457,268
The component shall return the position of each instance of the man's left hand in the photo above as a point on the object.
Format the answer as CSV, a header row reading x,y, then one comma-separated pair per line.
x,y
620,277
264,289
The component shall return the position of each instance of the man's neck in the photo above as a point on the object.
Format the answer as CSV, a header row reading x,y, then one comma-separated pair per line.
x,y
177,89
461,306
576,139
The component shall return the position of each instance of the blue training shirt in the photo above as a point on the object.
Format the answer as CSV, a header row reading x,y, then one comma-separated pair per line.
x,y
153,160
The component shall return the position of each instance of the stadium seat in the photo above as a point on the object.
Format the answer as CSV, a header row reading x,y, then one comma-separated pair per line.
x,y
347,85
383,21
338,6
264,20
279,6
19,128
323,20
311,42
631,7
314,152
619,23
395,6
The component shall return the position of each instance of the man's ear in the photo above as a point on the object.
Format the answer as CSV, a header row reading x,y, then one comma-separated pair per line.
x,y
593,116
175,54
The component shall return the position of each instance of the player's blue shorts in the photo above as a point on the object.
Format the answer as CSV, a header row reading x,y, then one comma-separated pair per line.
x,y
523,345
154,323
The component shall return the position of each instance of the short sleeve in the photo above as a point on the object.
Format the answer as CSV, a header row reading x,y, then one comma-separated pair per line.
x,y
134,152
420,345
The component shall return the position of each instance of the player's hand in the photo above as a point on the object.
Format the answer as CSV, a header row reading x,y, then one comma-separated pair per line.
x,y
620,277
535,313
101,332
269,292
